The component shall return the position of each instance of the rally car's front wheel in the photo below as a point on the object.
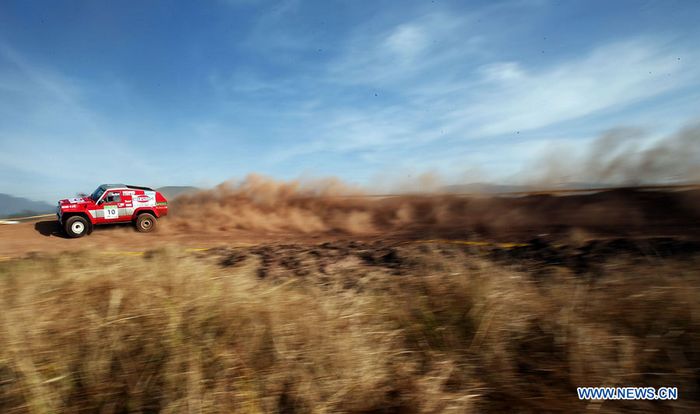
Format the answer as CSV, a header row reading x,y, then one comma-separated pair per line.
x,y
76,226
145,222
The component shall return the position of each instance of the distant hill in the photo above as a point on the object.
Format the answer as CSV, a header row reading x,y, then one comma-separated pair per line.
x,y
486,188
174,191
16,206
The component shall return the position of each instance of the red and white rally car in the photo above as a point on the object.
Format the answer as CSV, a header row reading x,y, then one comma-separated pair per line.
x,y
112,203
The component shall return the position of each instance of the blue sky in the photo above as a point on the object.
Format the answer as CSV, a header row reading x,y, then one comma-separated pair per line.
x,y
194,93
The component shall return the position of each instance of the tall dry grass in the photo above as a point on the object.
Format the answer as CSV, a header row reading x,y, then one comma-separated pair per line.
x,y
173,333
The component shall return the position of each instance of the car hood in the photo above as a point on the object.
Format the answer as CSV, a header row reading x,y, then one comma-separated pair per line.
x,y
75,200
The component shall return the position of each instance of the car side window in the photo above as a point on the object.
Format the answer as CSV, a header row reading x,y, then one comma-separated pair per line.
x,y
113,197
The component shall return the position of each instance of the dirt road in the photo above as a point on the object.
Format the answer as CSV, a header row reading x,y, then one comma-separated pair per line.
x,y
619,213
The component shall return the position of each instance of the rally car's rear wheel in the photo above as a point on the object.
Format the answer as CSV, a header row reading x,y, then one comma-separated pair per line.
x,y
76,226
145,222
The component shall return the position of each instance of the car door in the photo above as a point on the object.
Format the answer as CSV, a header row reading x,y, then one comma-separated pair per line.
x,y
112,208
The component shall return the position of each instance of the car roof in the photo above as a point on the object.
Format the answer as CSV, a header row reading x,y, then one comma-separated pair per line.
x,y
108,186
138,187
134,187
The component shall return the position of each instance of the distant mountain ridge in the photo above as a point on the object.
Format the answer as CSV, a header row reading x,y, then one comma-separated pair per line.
x,y
11,206
487,188
484,188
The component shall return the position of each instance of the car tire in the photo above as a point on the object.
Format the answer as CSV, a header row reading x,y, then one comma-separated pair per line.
x,y
76,226
145,223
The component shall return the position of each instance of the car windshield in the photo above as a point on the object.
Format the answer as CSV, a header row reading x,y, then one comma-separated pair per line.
x,y
97,194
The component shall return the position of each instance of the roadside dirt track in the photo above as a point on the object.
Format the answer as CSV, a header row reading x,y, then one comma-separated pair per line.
x,y
570,219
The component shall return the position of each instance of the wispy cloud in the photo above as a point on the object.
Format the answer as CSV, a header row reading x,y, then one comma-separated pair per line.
x,y
47,128
511,98
490,99
393,56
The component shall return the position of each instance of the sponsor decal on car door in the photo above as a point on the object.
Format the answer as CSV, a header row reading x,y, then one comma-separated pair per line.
x,y
144,199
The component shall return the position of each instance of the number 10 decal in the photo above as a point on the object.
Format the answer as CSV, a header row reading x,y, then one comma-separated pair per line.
x,y
111,212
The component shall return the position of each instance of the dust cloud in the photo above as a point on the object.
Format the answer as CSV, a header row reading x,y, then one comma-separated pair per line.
x,y
622,156
262,206
329,206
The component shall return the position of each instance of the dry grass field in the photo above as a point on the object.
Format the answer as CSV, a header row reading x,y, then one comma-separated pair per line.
x,y
350,327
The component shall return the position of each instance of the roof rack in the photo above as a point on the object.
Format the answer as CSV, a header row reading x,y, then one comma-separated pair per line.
x,y
136,187
108,186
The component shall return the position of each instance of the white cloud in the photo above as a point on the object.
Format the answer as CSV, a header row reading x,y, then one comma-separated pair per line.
x,y
502,72
505,97
394,55
407,42
608,78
